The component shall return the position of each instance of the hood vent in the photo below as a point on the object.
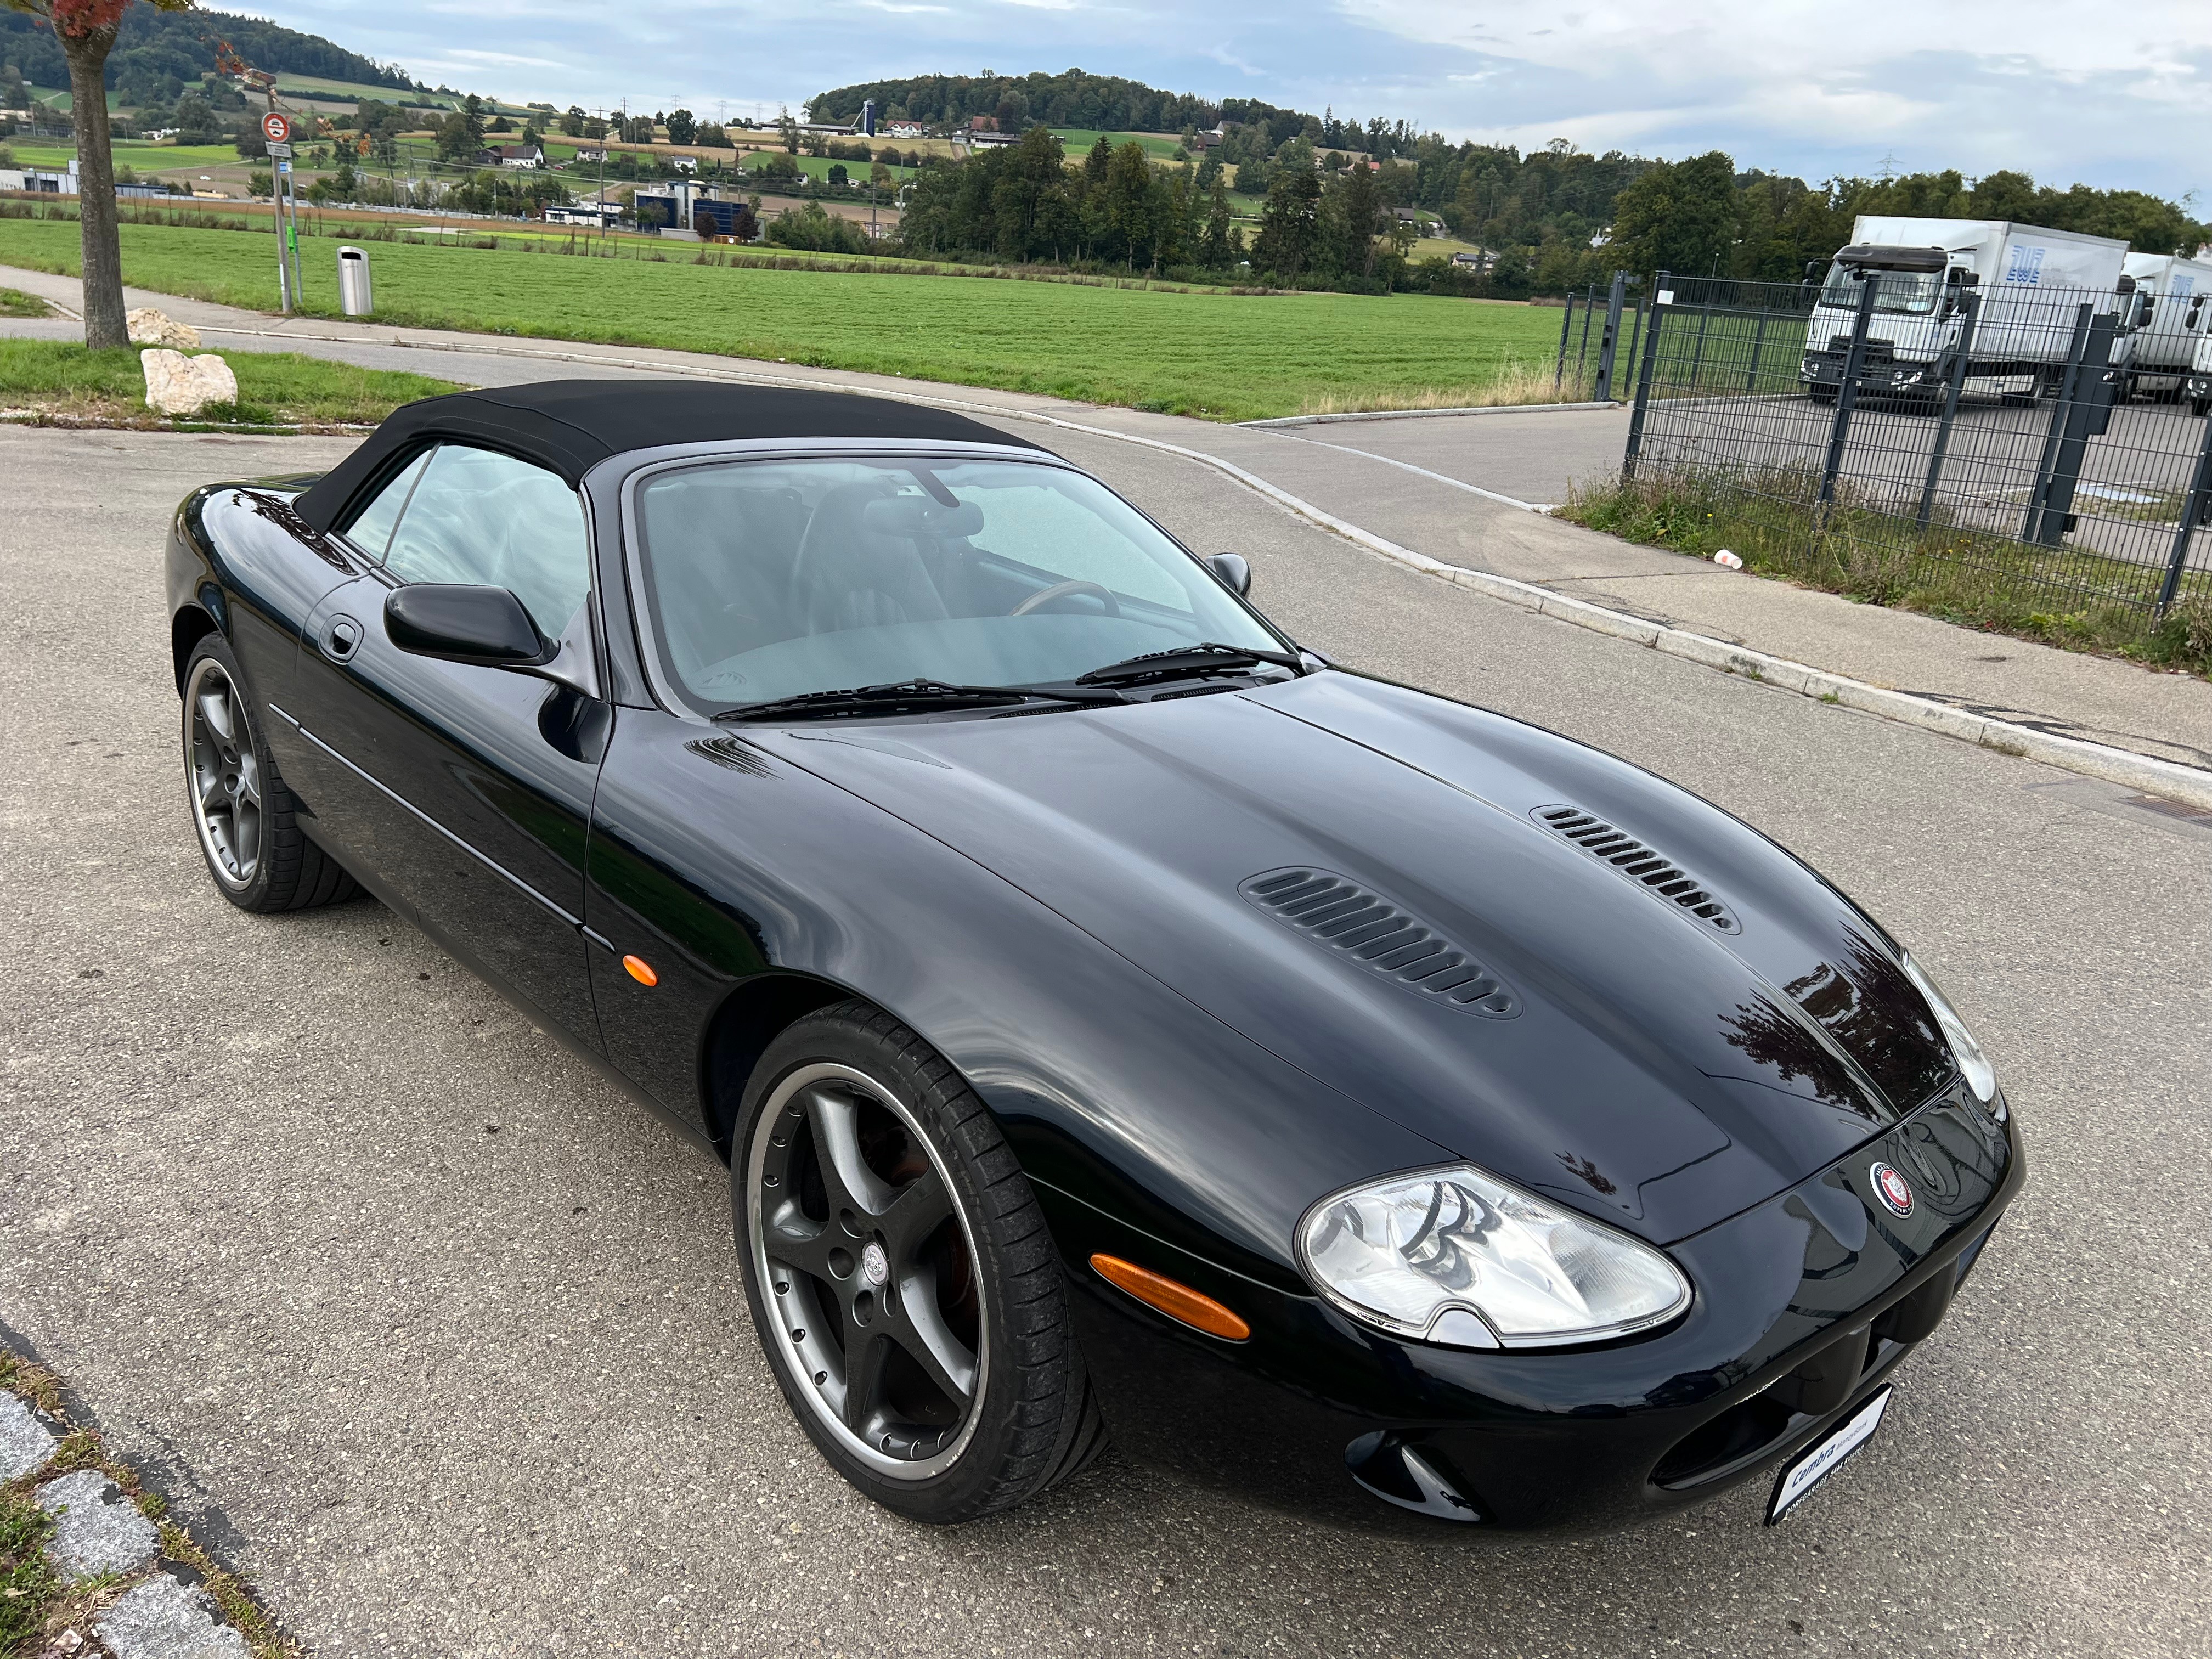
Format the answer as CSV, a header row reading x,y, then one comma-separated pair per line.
x,y
1375,934
1639,863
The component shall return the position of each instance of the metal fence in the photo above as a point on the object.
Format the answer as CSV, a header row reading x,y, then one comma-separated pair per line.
x,y
2041,442
1599,331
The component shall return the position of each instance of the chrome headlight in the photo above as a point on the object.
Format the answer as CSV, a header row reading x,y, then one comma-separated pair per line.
x,y
1456,1256
1974,1064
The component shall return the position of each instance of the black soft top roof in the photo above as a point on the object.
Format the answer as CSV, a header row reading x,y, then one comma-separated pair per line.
x,y
568,427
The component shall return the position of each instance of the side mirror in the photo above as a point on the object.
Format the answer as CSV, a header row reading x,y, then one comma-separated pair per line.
x,y
485,626
1235,575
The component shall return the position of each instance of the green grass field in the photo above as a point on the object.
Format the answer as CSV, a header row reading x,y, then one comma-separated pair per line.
x,y
1076,142
307,86
1209,353
273,386
145,158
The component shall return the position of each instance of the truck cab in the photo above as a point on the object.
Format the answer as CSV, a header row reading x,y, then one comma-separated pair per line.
x,y
1915,320
2028,285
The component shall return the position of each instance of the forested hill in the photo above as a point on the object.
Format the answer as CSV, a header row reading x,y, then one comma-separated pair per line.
x,y
1072,99
156,45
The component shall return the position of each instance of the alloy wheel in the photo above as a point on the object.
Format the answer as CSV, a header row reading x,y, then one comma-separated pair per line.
x,y
223,775
868,1269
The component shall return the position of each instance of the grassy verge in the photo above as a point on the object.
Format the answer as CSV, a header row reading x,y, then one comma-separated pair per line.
x,y
1211,353
57,379
1962,576
14,302
36,1608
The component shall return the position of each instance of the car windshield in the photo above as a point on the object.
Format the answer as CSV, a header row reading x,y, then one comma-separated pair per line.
x,y
1913,293
767,580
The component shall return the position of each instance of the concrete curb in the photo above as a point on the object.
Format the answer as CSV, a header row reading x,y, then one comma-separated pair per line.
x,y
1423,414
2187,784
103,1540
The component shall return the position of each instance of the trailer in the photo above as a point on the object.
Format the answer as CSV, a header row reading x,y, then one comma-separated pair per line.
x,y
2031,283
2173,315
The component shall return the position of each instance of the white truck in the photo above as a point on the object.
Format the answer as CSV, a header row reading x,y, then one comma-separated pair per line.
x,y
2031,282
2173,315
2198,388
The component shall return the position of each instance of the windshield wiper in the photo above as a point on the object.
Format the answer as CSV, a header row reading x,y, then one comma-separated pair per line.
x,y
1204,658
905,698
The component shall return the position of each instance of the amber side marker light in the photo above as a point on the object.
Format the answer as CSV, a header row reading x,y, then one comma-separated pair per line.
x,y
640,970
1178,1302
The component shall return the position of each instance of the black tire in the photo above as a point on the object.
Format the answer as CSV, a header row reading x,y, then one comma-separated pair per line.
x,y
1822,394
264,861
2200,407
851,1081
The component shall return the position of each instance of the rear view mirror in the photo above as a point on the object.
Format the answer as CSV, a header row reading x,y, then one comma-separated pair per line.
x,y
912,516
457,623
1234,574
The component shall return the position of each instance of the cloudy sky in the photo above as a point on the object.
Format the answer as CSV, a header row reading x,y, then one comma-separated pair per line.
x,y
2113,94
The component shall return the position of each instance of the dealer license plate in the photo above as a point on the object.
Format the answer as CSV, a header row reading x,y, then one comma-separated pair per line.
x,y
1806,1471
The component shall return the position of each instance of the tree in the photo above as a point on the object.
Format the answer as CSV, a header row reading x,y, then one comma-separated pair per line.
x,y
1680,216
788,128
572,121
87,31
458,138
1289,222
683,126
1215,252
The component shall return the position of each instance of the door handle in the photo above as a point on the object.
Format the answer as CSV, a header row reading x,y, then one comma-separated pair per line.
x,y
341,638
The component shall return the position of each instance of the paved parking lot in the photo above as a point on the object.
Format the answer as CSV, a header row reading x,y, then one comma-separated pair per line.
x,y
440,1341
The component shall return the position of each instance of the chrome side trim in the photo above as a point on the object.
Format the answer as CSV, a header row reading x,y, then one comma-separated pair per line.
x,y
497,868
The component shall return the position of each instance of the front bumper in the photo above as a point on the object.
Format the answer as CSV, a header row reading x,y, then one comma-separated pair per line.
x,y
1879,372
1816,1278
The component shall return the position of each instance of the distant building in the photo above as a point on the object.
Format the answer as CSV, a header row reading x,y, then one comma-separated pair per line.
x,y
40,181
520,156
598,214
595,154
905,130
983,123
1479,261
676,208
994,140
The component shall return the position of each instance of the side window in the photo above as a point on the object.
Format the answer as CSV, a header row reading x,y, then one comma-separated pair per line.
x,y
478,516
371,530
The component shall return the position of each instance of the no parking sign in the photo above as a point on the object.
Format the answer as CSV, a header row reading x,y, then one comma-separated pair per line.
x,y
276,127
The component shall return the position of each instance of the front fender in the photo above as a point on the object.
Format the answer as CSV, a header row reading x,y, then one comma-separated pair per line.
x,y
716,863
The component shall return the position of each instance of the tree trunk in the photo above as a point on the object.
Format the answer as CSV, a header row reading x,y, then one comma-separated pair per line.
x,y
104,328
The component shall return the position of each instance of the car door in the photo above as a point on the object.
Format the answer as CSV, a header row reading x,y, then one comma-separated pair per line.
x,y
464,793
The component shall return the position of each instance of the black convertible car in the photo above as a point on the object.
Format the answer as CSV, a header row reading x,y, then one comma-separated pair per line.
x,y
1117,1020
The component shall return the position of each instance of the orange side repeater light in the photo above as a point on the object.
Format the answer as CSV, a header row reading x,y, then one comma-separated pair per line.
x,y
1178,1302
640,970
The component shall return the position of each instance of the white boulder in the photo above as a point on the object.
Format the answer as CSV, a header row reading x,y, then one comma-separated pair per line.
x,y
158,328
178,385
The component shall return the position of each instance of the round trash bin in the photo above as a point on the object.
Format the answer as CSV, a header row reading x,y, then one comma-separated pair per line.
x,y
353,297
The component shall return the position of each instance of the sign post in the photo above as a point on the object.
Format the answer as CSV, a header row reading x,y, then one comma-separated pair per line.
x,y
276,128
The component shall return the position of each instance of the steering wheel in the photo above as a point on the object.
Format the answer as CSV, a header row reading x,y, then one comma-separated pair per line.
x,y
1045,596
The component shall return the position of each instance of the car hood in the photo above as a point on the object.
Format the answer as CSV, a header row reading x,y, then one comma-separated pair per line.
x,y
1660,1067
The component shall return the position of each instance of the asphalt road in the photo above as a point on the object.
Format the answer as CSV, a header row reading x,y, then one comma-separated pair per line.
x,y
441,1341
